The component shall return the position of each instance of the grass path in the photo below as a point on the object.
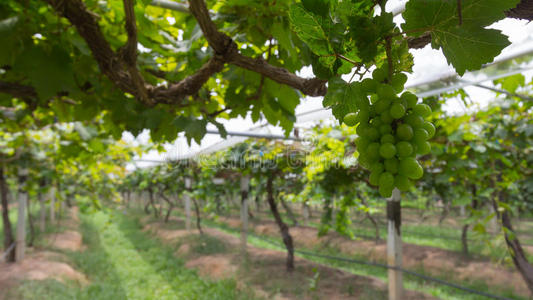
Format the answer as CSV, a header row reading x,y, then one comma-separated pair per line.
x,y
122,262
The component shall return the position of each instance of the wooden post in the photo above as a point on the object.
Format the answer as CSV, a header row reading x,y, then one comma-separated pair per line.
x,y
42,217
21,221
187,204
394,245
306,213
52,204
245,181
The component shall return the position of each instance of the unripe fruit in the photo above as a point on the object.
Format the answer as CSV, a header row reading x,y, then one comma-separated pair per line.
x,y
350,119
410,98
385,192
369,85
404,132
372,133
423,148
387,138
372,151
404,149
420,135
385,128
391,165
402,183
386,179
386,91
410,167
398,81
397,110
414,120
387,150
430,128
422,109
379,74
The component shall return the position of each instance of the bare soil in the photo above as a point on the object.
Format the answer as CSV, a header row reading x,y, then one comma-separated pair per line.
x,y
430,259
41,264
264,270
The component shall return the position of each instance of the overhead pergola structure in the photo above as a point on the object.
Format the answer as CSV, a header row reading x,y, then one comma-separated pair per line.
x,y
435,85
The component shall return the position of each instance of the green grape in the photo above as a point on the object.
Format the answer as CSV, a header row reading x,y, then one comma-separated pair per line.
x,y
397,110
374,98
414,120
404,132
423,147
402,183
410,98
369,85
376,167
362,116
398,81
374,178
430,128
361,129
387,150
391,165
385,192
376,122
372,151
420,135
386,117
382,105
379,74
410,167
362,142
387,138
422,109
350,119
363,160
404,149
386,91
386,179
372,133
385,128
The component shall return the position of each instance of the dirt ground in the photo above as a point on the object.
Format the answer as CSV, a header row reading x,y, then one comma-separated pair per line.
x,y
430,259
40,264
264,270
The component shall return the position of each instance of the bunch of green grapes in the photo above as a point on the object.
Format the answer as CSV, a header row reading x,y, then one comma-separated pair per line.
x,y
392,130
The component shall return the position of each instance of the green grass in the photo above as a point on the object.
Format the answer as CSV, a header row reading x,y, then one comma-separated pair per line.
x,y
122,262
410,282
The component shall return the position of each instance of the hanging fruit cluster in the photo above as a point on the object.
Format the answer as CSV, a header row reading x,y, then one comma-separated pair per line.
x,y
392,130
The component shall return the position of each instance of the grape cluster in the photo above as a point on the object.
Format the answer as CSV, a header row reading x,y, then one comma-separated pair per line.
x,y
391,131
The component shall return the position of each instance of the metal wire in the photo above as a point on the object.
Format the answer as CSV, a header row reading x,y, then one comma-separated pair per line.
x,y
385,266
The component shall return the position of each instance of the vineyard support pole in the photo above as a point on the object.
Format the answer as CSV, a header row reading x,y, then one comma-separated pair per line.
x,y
306,213
245,183
20,248
52,203
42,213
394,245
187,204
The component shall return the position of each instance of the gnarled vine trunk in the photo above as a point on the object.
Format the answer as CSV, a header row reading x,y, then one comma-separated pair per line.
x,y
290,214
283,228
198,218
9,239
517,252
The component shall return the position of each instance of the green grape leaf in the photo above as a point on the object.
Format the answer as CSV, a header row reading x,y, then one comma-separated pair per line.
x,y
319,7
469,49
309,29
341,97
467,46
